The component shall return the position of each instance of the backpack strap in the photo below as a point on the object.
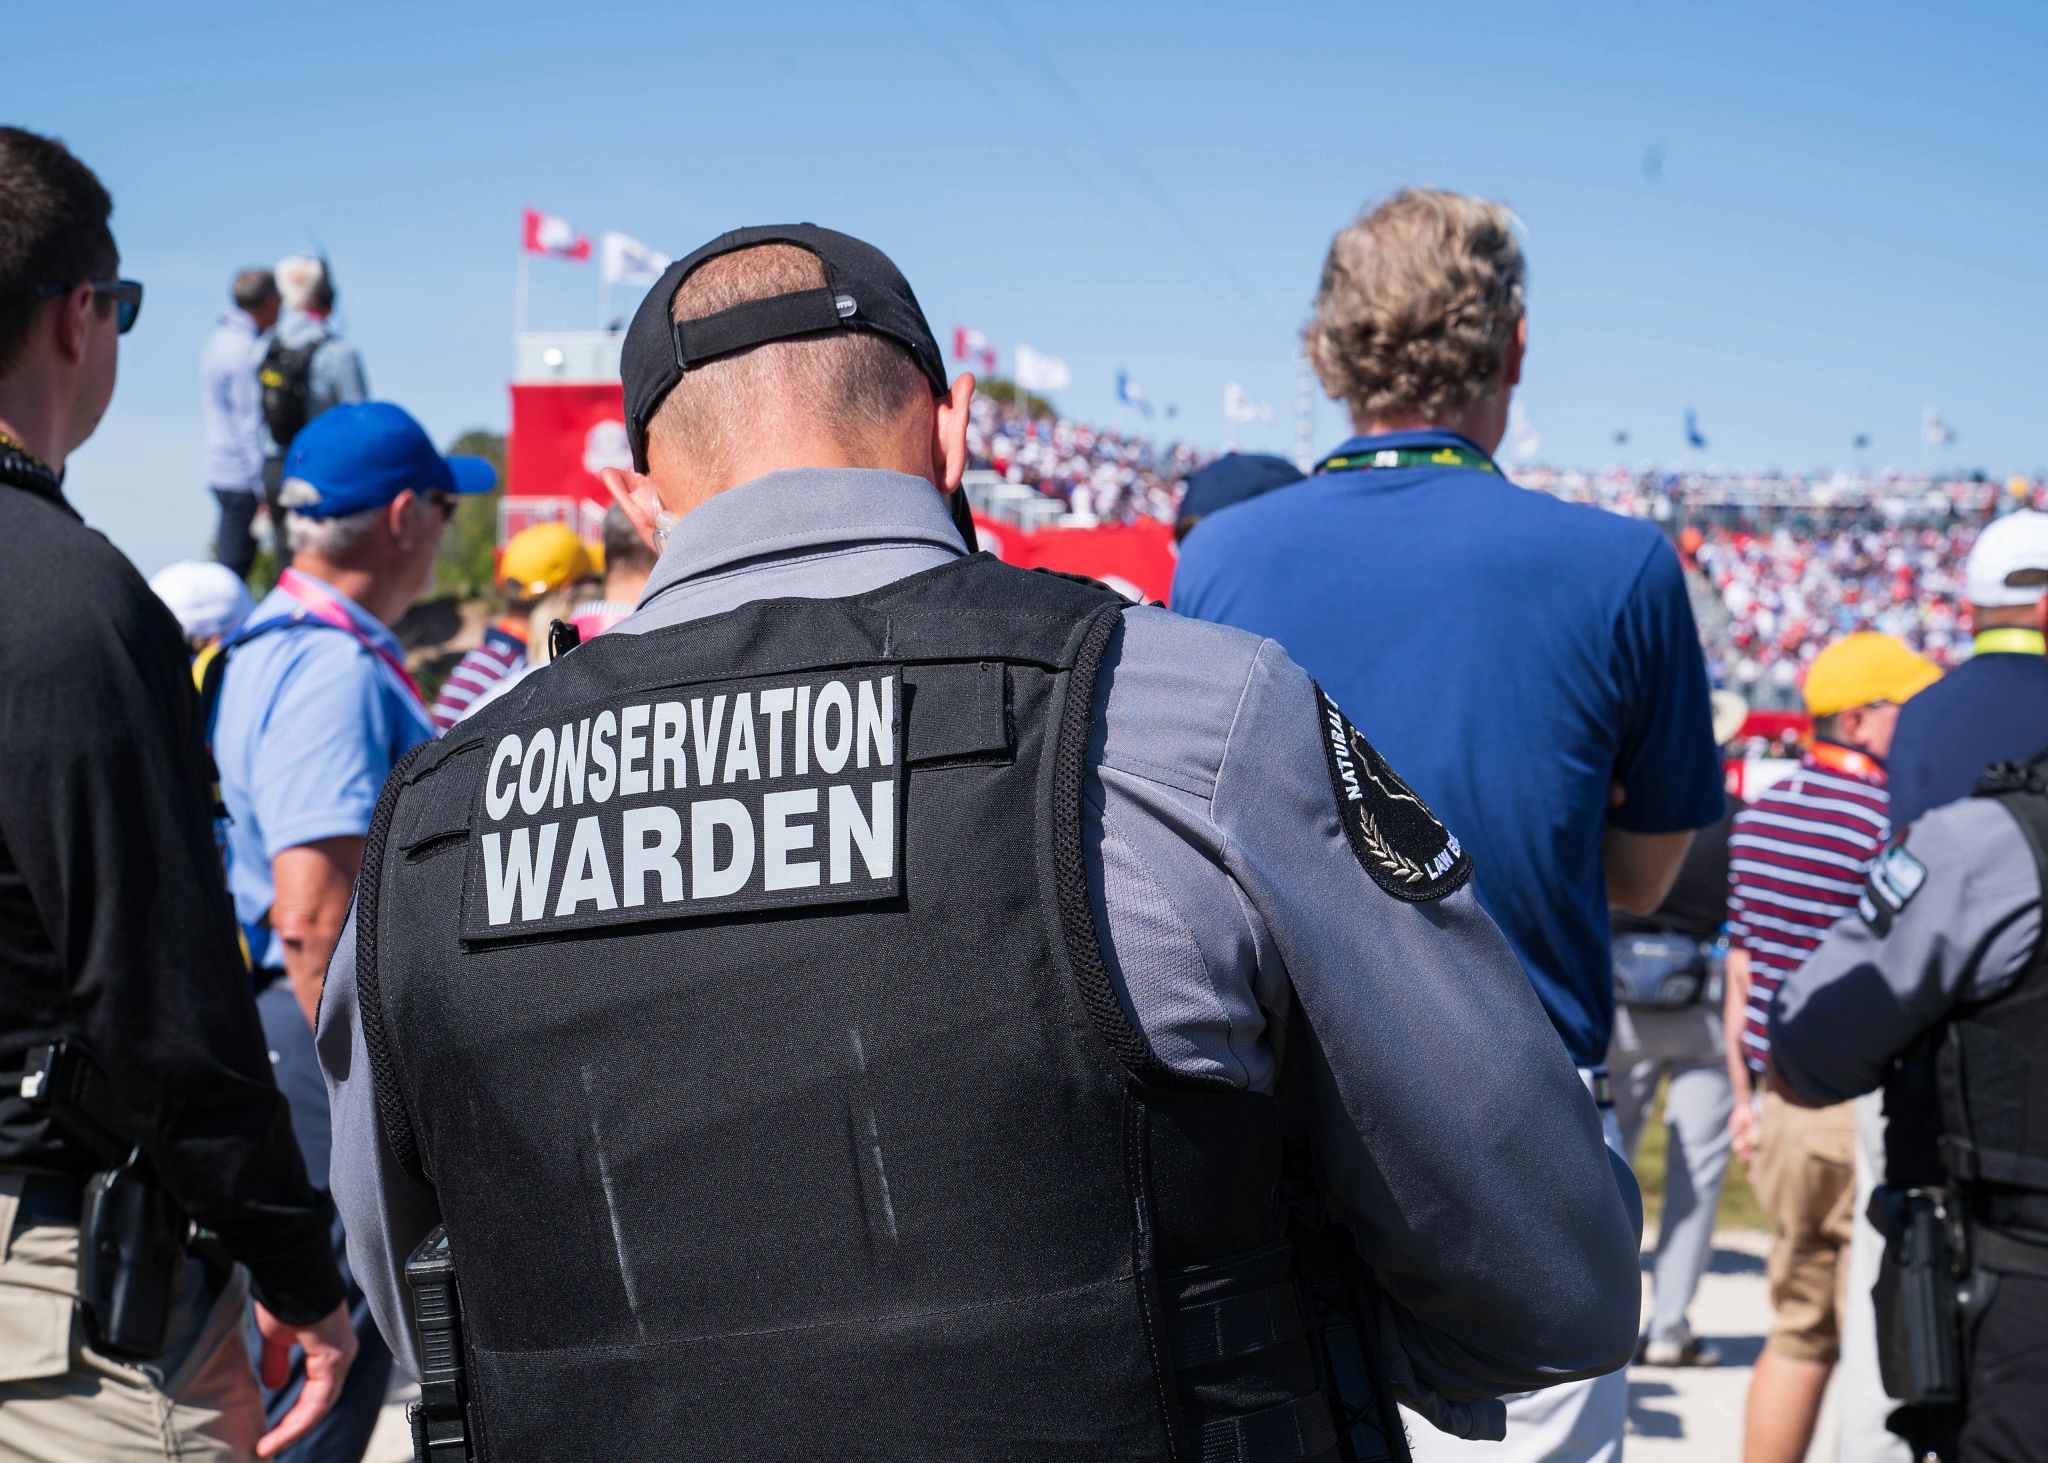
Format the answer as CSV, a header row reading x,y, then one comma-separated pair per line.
x,y
209,675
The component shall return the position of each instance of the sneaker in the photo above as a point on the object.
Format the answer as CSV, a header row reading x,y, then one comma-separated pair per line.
x,y
1688,1350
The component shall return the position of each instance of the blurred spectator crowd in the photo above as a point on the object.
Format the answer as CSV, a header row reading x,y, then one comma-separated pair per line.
x,y
1109,476
1785,562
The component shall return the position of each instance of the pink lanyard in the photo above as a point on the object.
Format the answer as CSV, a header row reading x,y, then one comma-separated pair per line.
x,y
325,607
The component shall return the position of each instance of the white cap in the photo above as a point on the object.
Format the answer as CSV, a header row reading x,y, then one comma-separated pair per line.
x,y
1730,711
2009,565
206,597
298,277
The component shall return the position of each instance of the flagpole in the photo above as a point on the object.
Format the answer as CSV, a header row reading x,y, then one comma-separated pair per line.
x,y
519,299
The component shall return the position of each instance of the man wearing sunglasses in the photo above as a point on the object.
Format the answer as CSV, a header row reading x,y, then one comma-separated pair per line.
x,y
314,708
116,946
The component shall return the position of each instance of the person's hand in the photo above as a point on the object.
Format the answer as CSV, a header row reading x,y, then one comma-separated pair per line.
x,y
1744,1128
330,1347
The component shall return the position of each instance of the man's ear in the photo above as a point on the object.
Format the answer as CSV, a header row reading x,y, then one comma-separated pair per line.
x,y
1518,347
74,322
949,433
401,517
635,495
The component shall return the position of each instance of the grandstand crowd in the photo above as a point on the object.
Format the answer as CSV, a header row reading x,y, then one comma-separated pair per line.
x,y
1785,562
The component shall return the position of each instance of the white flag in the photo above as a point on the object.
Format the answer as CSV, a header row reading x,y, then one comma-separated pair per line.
x,y
1037,372
628,261
1240,405
1934,430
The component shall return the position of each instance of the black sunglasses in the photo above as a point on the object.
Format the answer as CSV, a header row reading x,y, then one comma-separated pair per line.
x,y
125,293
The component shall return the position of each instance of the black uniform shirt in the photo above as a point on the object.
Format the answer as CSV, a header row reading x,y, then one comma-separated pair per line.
x,y
114,921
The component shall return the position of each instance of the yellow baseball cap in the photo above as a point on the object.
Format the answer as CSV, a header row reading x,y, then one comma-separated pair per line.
x,y
541,559
1865,667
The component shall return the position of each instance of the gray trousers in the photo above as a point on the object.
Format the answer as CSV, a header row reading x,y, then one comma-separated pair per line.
x,y
1685,1044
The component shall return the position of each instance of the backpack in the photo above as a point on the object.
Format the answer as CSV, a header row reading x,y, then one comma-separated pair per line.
x,y
285,374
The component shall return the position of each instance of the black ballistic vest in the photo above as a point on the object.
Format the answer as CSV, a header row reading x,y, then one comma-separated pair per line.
x,y
1991,1066
737,990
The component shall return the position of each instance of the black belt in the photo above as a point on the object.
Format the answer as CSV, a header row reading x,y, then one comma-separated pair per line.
x,y
49,1198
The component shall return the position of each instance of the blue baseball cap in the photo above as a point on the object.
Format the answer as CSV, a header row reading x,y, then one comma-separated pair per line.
x,y
363,454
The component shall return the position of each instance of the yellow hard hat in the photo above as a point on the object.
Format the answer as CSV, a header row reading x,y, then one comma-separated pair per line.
x,y
541,559
1865,667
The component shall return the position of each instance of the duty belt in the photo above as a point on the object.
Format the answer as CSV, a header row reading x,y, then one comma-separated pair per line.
x,y
1966,1160
2007,1254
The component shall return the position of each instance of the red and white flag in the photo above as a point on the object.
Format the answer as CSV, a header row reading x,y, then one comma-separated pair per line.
x,y
550,234
972,345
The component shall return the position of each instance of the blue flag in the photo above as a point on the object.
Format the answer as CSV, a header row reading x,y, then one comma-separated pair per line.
x,y
1692,430
1130,393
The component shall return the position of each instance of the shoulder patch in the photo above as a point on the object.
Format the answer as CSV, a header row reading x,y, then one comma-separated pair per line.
x,y
1894,879
1398,841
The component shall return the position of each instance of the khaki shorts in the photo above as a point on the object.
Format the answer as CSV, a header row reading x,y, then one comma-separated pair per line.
x,y
1805,1174
61,1401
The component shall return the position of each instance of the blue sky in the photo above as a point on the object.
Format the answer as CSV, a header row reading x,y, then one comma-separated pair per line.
x,y
1846,227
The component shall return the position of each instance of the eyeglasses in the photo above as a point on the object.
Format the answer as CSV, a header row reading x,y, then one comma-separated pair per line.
x,y
446,502
125,293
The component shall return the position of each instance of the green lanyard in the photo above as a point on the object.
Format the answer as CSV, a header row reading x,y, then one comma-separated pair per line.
x,y
2011,639
1409,457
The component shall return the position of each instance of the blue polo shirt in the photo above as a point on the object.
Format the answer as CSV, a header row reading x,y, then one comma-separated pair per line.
x,y
1991,708
309,724
1512,655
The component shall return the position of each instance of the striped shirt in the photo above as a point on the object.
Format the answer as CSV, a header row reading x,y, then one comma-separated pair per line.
x,y
1796,863
496,657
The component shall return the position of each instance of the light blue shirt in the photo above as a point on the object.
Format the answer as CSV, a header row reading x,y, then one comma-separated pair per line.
x,y
232,405
309,724
333,375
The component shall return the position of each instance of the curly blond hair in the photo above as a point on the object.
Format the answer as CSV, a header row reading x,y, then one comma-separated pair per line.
x,y
1417,305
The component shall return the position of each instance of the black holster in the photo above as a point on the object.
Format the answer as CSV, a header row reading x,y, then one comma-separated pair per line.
x,y
132,1235
132,1240
442,1431
1919,1327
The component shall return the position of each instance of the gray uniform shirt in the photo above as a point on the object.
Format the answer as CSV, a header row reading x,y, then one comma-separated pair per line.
x,y
1233,911
1953,913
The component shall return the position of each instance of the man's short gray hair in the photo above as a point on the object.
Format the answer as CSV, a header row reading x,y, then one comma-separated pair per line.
x,y
1417,305
330,538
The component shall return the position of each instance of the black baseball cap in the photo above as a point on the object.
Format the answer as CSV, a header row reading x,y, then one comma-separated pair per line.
x,y
862,291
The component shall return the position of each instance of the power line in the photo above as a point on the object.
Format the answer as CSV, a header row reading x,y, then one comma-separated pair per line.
x,y
1114,146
